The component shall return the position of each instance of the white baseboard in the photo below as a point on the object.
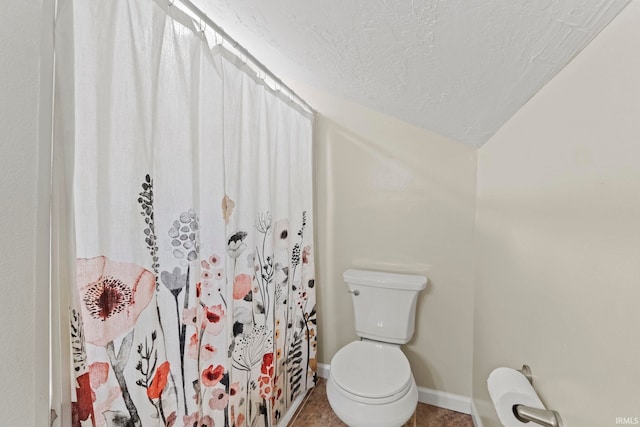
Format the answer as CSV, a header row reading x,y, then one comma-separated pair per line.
x,y
323,370
443,399
475,416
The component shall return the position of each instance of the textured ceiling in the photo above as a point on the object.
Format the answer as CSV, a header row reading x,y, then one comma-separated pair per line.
x,y
457,68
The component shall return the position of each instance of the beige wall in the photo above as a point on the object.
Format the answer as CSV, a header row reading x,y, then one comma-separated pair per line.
x,y
558,237
25,79
391,196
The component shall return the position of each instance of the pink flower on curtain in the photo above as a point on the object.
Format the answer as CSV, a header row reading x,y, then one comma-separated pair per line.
x,y
214,316
236,421
193,347
196,351
171,419
191,316
207,352
211,376
208,273
241,286
306,254
99,373
191,420
194,420
206,421
219,399
234,388
112,295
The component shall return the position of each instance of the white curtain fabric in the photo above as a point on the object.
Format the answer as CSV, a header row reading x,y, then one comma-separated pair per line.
x,y
183,229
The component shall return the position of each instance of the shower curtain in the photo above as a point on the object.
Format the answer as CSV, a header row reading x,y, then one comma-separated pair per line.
x,y
183,234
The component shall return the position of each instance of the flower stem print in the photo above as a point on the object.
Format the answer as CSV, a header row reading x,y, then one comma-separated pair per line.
x,y
196,383
290,310
118,363
175,282
146,201
78,350
309,319
154,380
263,272
295,256
184,240
146,204
248,353
183,332
294,362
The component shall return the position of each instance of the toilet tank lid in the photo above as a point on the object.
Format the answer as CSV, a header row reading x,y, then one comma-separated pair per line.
x,y
383,279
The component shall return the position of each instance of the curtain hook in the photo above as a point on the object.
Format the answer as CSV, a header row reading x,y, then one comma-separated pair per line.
x,y
202,26
171,2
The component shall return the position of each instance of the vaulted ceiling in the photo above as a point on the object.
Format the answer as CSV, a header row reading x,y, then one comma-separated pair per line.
x,y
457,68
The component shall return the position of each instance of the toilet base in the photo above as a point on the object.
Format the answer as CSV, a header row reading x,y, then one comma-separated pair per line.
x,y
356,414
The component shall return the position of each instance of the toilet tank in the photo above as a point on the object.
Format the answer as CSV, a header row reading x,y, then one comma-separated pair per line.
x,y
384,304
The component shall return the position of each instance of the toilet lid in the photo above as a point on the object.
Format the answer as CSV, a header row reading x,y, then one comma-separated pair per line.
x,y
371,370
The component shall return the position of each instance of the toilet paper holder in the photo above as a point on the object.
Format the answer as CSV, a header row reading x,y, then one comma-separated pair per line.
x,y
543,417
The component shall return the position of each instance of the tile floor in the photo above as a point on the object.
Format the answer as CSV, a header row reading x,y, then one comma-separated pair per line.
x,y
316,412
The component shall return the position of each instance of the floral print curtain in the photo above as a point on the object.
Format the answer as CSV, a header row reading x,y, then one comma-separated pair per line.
x,y
191,301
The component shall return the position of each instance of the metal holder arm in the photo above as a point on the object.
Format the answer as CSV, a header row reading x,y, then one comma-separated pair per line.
x,y
526,371
544,417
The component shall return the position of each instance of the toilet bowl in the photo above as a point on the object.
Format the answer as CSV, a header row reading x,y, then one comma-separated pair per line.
x,y
370,381
371,384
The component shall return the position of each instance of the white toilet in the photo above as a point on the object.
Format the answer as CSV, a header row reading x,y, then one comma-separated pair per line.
x,y
370,382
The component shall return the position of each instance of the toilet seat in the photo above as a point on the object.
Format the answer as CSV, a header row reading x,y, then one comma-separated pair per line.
x,y
371,372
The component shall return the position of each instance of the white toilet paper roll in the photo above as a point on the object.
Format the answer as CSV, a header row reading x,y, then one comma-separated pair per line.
x,y
508,387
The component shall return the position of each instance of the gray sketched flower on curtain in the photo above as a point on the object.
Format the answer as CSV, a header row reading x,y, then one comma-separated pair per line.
x,y
174,281
183,233
263,222
236,245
